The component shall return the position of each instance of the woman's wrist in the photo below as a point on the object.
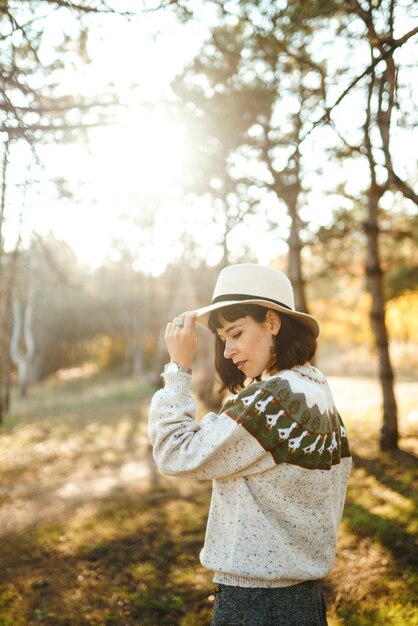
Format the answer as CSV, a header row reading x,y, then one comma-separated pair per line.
x,y
182,361
176,367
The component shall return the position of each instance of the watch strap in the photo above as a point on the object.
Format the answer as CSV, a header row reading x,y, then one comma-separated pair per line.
x,y
173,366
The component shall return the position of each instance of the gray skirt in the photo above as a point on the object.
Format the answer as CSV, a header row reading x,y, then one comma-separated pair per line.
x,y
297,605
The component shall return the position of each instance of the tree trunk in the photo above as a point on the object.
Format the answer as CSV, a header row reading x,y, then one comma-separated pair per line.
x,y
23,377
4,349
295,272
374,279
295,262
7,322
23,359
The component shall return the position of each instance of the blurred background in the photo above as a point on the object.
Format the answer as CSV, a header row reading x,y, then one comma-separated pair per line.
x,y
144,145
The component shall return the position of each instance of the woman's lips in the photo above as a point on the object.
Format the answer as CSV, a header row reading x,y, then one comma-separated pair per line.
x,y
240,364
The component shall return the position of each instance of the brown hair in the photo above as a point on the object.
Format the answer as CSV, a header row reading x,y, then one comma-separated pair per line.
x,y
295,343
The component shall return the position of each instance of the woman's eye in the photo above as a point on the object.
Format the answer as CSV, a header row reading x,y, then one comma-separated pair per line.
x,y
237,335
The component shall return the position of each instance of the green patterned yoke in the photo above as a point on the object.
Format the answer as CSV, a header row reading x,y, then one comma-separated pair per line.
x,y
287,427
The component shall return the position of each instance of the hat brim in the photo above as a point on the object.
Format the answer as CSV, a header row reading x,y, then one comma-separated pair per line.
x,y
308,320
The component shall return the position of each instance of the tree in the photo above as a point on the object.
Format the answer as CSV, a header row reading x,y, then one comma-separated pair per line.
x,y
237,90
22,341
37,108
264,37
380,102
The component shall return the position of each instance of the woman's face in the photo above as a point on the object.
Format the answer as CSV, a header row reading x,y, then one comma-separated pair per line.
x,y
248,342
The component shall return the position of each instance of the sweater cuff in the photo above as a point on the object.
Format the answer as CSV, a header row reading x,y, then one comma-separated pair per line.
x,y
177,382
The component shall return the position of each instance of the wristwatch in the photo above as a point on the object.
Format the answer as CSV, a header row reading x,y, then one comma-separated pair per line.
x,y
175,368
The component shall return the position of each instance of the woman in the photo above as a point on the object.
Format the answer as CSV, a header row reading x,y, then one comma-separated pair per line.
x,y
277,452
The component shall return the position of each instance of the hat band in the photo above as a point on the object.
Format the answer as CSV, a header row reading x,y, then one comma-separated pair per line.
x,y
242,296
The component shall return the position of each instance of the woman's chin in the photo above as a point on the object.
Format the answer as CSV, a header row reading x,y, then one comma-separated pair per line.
x,y
251,374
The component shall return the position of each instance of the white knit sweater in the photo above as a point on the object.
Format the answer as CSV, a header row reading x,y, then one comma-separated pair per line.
x,y
279,459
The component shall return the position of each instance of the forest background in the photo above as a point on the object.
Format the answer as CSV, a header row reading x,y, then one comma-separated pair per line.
x,y
147,145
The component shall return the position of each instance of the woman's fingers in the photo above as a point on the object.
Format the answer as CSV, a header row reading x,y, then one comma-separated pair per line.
x,y
182,339
175,327
189,320
186,321
178,322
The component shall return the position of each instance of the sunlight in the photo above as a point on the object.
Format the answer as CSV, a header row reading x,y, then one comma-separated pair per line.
x,y
125,169
146,154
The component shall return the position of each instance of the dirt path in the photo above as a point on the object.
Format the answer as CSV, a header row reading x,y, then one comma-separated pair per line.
x,y
46,476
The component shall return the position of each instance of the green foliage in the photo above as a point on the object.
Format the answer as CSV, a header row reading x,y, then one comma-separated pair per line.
x,y
300,13
386,614
11,604
400,280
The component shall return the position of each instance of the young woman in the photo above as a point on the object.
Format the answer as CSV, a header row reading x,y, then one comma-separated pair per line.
x,y
277,452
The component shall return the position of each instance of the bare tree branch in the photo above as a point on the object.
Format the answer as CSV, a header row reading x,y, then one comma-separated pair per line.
x,y
19,131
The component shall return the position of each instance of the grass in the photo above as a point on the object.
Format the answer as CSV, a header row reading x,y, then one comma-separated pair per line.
x,y
128,563
89,540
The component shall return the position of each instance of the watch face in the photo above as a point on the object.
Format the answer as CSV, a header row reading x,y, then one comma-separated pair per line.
x,y
172,367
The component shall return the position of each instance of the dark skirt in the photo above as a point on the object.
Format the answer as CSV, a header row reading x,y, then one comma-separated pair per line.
x,y
297,605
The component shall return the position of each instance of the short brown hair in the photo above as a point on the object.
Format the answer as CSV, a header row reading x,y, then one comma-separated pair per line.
x,y
295,343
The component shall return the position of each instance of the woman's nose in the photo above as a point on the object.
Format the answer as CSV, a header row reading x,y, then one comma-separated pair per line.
x,y
228,351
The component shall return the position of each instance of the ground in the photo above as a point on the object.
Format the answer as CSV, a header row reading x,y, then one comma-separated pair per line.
x,y
93,535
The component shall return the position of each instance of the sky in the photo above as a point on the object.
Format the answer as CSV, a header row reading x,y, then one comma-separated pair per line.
x,y
123,163
144,147
115,176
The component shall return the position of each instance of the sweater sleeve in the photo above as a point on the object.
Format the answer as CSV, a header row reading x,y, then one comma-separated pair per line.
x,y
217,447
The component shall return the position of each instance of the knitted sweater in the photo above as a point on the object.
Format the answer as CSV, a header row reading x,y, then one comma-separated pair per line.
x,y
279,459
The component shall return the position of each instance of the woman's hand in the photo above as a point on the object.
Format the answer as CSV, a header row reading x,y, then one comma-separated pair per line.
x,y
182,339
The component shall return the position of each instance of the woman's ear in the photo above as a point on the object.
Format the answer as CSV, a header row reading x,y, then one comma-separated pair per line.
x,y
274,321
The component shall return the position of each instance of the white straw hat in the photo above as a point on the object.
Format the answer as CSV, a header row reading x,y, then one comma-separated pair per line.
x,y
255,284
